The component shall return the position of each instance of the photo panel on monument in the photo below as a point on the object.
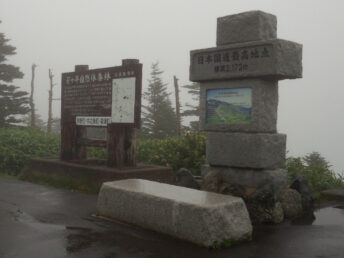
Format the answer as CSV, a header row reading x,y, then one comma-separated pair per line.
x,y
248,105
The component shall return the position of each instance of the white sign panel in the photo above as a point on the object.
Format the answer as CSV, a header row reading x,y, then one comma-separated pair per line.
x,y
123,100
92,120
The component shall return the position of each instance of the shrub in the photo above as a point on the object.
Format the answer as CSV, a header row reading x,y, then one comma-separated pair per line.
x,y
97,152
316,170
20,144
187,151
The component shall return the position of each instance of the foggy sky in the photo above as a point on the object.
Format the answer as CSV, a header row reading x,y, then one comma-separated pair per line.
x,y
59,34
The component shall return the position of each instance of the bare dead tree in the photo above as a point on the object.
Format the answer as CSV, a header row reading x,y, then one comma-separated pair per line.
x,y
50,112
32,104
176,89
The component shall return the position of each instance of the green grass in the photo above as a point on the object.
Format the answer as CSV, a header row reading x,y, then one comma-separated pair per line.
x,y
20,144
8,176
224,115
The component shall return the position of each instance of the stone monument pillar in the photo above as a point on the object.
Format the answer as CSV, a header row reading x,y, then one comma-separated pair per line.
x,y
239,98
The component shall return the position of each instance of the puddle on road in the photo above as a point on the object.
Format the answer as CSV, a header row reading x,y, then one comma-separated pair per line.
x,y
36,238
330,216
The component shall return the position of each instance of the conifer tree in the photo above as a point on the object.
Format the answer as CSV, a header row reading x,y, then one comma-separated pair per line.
x,y
159,118
12,101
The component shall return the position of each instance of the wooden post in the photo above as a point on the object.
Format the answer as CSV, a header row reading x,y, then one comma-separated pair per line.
x,y
80,150
176,88
115,145
67,137
50,112
121,145
130,146
81,131
31,102
70,133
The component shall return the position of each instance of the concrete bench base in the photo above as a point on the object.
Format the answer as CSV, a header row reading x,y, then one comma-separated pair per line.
x,y
200,217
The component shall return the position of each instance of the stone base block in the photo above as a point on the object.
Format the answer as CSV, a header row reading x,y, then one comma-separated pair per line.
x,y
246,150
250,177
196,216
90,174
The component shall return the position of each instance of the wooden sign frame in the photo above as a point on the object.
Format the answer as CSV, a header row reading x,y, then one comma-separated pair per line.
x,y
86,101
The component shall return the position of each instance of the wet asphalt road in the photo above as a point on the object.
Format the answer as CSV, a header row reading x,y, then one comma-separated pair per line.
x,y
38,221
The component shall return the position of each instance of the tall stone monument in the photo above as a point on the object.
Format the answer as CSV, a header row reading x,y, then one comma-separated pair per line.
x,y
239,98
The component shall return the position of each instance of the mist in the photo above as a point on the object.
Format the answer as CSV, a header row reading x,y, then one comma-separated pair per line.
x,y
62,34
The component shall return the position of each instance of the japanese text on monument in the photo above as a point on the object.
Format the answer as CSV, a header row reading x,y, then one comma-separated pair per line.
x,y
231,60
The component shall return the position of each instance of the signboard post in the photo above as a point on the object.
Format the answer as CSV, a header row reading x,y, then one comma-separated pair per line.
x,y
108,97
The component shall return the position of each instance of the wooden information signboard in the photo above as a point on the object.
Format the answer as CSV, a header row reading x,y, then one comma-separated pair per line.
x,y
108,97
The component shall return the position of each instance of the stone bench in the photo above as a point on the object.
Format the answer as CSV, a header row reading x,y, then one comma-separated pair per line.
x,y
200,217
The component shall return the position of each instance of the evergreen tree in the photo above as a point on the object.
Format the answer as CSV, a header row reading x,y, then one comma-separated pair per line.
x,y
12,101
159,118
316,162
193,110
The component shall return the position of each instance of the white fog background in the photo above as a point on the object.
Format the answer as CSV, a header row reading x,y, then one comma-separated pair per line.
x,y
59,34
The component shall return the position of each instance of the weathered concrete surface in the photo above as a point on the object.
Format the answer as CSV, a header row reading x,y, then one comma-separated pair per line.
x,y
271,59
91,173
40,221
246,150
196,216
264,105
249,177
247,26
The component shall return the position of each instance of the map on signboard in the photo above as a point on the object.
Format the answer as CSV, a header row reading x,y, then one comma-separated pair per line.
x,y
229,106
123,100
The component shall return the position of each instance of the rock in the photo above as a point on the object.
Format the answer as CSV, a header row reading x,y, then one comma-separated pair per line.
x,y
301,185
233,189
333,194
212,182
249,176
262,205
262,214
183,177
265,196
291,203
197,216
277,213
